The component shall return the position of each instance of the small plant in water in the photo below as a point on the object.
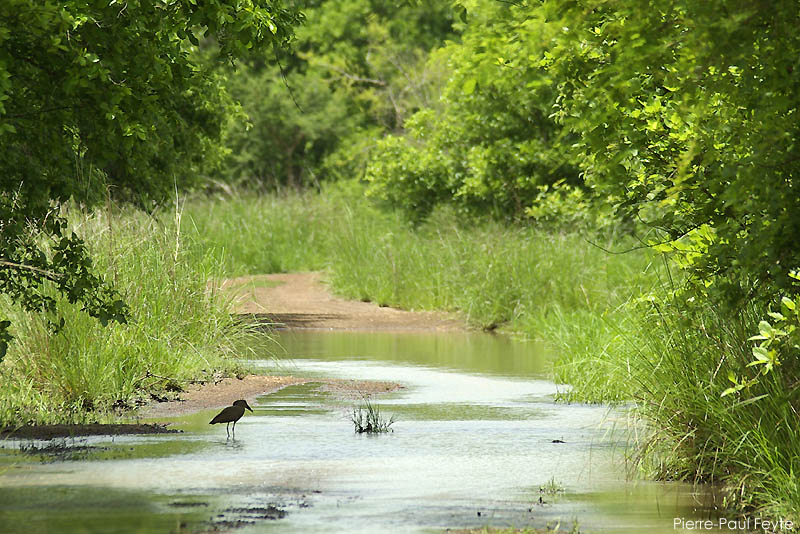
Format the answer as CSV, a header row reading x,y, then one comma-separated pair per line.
x,y
368,419
551,487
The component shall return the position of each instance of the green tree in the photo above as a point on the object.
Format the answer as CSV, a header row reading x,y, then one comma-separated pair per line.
x,y
99,96
687,115
489,144
357,70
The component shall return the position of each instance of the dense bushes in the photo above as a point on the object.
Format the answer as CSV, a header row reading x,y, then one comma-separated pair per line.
x,y
489,145
682,118
687,117
357,70
679,115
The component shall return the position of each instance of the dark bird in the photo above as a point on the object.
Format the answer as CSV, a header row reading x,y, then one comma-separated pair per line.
x,y
231,414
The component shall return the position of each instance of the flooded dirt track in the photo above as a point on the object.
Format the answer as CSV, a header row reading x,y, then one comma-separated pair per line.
x,y
478,441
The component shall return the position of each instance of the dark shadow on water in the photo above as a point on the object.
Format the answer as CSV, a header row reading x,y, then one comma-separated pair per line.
x,y
281,321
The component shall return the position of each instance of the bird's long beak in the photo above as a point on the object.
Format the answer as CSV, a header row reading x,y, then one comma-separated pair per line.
x,y
248,407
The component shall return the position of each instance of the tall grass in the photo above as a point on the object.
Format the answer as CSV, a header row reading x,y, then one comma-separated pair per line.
x,y
748,443
179,329
257,234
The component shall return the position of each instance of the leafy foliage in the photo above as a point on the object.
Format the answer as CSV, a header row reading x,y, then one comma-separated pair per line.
x,y
489,145
105,96
681,115
114,86
178,330
357,70
777,353
688,118
67,269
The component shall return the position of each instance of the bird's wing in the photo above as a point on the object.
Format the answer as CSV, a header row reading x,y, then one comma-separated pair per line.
x,y
225,416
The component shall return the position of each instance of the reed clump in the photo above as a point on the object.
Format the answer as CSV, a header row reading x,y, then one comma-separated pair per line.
x,y
368,419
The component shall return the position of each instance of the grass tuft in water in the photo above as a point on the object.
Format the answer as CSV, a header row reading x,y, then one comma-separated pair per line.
x,y
368,419
552,488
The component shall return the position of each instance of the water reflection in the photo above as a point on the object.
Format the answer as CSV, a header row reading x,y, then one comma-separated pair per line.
x,y
471,352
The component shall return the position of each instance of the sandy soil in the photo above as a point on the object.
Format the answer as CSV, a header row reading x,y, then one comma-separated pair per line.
x,y
301,300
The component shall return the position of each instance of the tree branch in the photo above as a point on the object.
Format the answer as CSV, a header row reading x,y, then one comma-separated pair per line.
x,y
51,275
353,77
39,112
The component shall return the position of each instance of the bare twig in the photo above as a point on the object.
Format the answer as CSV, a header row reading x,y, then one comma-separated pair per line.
x,y
22,266
353,77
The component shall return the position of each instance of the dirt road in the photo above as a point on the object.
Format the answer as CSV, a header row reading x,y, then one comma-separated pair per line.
x,y
301,300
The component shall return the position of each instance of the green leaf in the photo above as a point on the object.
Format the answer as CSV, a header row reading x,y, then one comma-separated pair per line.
x,y
469,86
766,329
761,354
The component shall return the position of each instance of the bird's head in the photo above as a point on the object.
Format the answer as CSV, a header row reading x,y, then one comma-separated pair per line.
x,y
243,404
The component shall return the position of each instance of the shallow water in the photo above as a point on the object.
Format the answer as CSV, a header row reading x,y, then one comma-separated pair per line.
x,y
472,446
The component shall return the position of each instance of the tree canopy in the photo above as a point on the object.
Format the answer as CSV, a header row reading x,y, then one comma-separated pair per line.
x,y
106,97
356,70
681,115
688,114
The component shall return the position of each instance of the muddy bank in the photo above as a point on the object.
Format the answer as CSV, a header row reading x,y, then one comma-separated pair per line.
x,y
223,393
209,396
94,429
201,397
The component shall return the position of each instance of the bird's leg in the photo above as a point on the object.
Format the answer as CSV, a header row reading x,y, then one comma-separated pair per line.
x,y
234,430
227,429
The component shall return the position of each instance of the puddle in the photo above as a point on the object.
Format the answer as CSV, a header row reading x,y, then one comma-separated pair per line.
x,y
477,442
